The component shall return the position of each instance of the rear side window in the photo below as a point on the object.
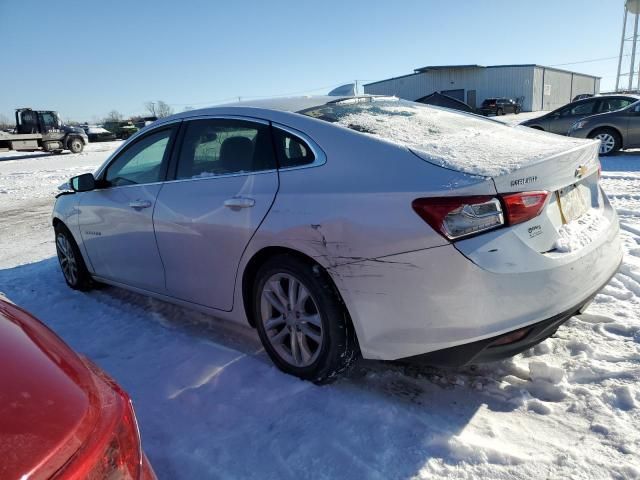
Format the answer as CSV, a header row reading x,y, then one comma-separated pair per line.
x,y
611,104
292,151
216,147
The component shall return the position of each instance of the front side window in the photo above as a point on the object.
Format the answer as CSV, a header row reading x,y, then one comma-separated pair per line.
x,y
143,162
585,108
49,120
292,151
216,147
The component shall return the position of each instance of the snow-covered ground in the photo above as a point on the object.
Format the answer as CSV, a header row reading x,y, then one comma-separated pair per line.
x,y
211,405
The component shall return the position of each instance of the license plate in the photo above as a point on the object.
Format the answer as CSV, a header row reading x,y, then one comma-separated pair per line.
x,y
572,203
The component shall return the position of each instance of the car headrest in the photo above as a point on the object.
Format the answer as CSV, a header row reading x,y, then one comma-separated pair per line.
x,y
236,154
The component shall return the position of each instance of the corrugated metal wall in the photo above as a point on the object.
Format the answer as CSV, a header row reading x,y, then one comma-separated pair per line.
x,y
526,81
584,84
555,88
511,82
413,87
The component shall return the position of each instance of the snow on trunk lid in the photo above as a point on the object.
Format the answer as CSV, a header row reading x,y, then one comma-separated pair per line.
x,y
459,141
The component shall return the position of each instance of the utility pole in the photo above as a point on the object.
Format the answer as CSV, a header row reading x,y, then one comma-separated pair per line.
x,y
631,7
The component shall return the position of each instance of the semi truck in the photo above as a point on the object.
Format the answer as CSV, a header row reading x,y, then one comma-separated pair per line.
x,y
42,130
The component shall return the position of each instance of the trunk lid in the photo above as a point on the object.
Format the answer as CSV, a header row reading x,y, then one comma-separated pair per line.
x,y
43,401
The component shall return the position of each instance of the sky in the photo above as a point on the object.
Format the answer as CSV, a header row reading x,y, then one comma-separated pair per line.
x,y
87,58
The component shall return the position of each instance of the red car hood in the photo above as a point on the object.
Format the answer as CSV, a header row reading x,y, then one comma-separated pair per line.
x,y
45,396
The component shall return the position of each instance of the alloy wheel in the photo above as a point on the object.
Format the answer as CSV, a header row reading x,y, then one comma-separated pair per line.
x,y
607,142
291,319
67,259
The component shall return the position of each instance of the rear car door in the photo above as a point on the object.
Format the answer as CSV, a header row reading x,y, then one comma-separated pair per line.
x,y
116,220
628,123
224,182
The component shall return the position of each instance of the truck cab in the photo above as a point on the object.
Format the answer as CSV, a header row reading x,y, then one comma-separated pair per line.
x,y
43,130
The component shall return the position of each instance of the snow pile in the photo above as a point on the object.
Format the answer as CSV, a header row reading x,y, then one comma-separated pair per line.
x,y
460,141
210,404
97,130
580,233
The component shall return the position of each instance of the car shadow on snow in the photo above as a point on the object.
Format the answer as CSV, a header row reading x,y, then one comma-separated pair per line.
x,y
210,403
625,161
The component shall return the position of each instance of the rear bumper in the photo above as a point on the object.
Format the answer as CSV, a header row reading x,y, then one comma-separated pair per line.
x,y
425,301
487,351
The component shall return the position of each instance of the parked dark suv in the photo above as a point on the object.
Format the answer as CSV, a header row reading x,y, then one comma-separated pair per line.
x,y
500,106
560,120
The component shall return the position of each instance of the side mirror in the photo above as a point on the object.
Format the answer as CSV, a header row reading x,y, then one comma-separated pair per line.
x,y
83,183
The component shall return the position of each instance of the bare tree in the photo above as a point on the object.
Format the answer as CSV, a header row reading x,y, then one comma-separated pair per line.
x,y
151,108
163,109
113,116
158,109
5,123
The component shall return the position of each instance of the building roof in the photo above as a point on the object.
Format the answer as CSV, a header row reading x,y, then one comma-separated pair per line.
x,y
446,67
421,70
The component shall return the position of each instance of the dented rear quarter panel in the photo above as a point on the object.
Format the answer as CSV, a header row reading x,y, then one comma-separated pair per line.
x,y
353,211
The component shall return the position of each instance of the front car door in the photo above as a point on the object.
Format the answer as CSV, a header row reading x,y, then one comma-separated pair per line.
x,y
561,122
116,220
224,184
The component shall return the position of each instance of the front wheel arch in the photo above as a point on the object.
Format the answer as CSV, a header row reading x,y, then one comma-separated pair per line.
x,y
614,130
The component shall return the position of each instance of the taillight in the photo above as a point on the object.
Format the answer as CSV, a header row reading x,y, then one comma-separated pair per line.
x,y
457,217
521,207
461,217
121,457
112,450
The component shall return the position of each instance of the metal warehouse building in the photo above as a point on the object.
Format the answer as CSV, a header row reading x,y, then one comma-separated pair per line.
x,y
537,87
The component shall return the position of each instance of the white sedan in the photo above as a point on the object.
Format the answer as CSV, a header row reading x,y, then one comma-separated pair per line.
x,y
341,227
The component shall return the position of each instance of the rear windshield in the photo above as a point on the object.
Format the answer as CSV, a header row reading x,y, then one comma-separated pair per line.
x,y
445,137
489,101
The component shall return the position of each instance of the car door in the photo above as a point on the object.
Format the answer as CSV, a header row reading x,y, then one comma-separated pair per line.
x,y
116,220
567,116
628,122
224,183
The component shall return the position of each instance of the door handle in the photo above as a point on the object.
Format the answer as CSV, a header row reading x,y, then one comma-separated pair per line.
x,y
239,202
139,204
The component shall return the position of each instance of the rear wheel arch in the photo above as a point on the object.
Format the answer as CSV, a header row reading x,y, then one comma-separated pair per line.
x,y
259,259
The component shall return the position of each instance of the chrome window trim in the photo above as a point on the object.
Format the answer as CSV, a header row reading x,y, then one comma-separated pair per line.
x,y
214,116
320,158
224,175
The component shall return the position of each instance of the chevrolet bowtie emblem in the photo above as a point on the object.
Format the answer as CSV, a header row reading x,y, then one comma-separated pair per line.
x,y
581,171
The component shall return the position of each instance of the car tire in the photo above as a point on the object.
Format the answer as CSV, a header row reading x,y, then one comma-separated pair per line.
x,y
76,145
70,259
610,140
499,112
302,321
517,110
